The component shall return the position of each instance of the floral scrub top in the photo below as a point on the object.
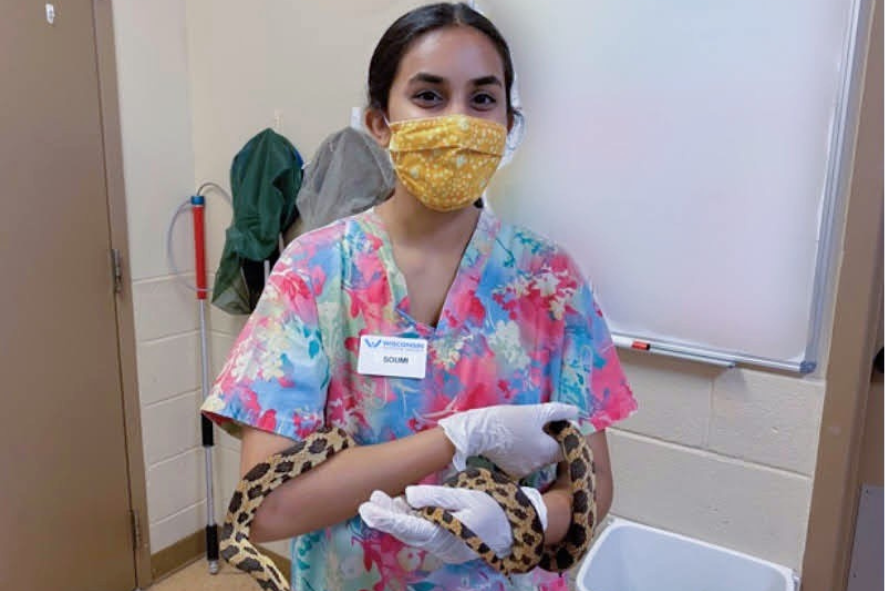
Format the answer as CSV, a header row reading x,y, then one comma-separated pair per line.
x,y
519,326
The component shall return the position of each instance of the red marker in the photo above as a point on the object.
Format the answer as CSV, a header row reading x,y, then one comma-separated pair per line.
x,y
627,343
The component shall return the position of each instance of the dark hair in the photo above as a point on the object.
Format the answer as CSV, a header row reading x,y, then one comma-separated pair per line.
x,y
412,25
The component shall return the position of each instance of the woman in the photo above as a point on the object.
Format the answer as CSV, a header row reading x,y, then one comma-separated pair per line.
x,y
500,332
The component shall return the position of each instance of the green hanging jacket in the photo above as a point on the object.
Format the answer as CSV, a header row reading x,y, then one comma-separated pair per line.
x,y
265,178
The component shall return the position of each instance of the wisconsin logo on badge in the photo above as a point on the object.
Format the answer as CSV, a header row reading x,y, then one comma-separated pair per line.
x,y
393,357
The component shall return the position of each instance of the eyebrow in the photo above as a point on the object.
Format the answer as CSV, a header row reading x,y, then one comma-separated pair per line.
x,y
425,77
487,80
433,79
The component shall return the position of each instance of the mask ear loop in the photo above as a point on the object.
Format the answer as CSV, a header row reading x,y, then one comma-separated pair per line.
x,y
518,129
514,139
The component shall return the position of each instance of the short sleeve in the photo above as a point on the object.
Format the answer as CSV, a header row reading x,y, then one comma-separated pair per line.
x,y
276,375
591,376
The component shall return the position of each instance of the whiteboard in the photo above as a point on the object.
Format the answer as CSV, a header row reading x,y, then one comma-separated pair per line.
x,y
685,153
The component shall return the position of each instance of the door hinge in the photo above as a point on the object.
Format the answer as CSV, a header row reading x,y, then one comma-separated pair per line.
x,y
117,270
136,530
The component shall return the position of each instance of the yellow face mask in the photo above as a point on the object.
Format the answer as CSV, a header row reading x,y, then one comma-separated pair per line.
x,y
446,162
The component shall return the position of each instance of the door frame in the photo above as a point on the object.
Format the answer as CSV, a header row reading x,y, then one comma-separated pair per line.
x,y
859,296
126,340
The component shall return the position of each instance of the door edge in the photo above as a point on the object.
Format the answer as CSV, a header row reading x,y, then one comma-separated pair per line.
x,y
116,195
859,296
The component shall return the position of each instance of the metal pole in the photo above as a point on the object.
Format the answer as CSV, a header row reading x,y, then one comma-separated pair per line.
x,y
198,204
206,424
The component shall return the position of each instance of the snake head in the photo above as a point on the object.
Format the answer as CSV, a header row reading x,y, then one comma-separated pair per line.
x,y
554,428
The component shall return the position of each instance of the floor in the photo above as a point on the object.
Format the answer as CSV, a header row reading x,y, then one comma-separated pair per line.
x,y
196,577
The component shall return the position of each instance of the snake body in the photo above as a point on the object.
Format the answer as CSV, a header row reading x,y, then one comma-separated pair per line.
x,y
528,549
527,552
256,485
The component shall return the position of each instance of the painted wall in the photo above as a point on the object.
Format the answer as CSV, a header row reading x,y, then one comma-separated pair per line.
x,y
158,160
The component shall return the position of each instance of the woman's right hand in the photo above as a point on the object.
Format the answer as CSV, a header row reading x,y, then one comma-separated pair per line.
x,y
510,436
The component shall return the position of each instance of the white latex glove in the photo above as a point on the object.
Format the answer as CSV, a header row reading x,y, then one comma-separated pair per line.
x,y
510,436
475,509
397,518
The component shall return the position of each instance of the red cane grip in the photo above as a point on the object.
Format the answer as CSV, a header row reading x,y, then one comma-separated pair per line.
x,y
198,204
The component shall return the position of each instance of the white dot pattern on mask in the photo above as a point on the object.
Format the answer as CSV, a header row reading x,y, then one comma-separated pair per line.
x,y
446,162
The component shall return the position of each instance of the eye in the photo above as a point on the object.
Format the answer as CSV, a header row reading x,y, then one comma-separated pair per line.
x,y
484,101
427,98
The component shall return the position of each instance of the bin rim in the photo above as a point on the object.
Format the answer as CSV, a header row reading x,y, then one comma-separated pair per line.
x,y
613,524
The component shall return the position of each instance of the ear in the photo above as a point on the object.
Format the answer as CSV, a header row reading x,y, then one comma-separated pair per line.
x,y
374,120
515,119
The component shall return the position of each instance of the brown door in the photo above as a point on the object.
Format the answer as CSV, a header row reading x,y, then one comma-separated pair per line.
x,y
870,470
866,560
64,494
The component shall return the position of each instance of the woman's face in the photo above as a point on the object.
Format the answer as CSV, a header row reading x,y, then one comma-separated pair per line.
x,y
455,70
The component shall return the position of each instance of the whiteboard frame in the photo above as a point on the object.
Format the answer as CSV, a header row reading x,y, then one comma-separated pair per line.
x,y
838,174
839,170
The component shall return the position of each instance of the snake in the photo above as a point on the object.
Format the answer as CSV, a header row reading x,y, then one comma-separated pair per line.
x,y
528,550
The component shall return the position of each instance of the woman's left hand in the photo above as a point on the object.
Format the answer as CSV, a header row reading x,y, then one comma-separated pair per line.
x,y
475,509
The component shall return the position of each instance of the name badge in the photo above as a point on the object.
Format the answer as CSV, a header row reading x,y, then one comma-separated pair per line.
x,y
393,357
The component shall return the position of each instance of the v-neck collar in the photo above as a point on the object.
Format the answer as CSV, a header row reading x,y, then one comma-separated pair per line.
x,y
467,277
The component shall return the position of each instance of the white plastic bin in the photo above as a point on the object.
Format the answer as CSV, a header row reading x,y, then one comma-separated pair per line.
x,y
633,557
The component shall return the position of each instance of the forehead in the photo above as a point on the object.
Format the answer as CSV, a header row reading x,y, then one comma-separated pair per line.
x,y
455,53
